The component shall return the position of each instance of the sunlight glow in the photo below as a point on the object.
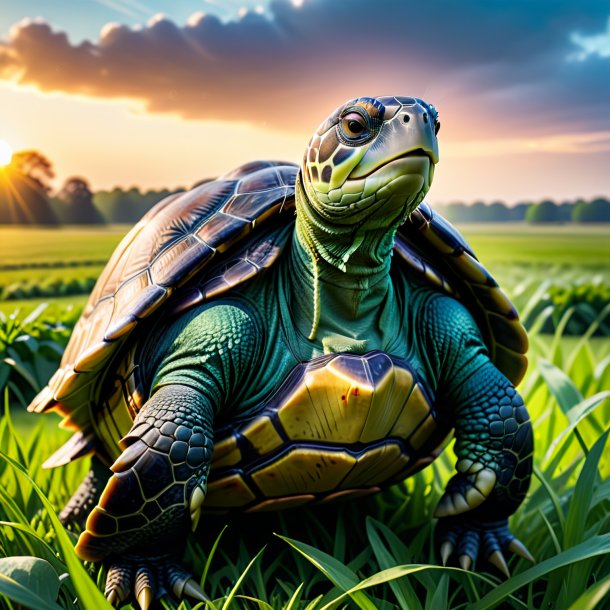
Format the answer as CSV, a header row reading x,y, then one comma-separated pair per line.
x,y
6,153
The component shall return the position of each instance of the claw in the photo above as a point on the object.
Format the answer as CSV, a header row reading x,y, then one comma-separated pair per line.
x,y
518,548
195,506
192,589
497,559
465,562
145,598
446,550
113,597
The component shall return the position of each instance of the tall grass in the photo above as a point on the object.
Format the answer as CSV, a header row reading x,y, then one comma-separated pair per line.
x,y
377,553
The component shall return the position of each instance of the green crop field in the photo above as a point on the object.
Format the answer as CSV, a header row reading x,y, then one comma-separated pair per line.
x,y
29,245
568,244
377,553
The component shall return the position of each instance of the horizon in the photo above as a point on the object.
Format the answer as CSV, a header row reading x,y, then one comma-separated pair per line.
x,y
523,101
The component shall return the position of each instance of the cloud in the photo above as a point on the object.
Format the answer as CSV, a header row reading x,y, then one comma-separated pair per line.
x,y
502,64
594,44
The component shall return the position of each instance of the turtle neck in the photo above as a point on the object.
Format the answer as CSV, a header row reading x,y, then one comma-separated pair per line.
x,y
353,300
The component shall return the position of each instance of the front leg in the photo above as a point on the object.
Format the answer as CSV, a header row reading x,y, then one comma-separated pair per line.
x,y
494,447
153,499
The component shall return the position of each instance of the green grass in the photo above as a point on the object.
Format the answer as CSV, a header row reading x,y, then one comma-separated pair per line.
x,y
11,276
27,245
540,244
56,306
377,553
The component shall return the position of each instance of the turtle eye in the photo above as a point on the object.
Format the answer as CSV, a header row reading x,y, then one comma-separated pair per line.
x,y
354,126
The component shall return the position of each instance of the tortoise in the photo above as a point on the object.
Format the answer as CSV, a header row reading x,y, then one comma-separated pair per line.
x,y
289,335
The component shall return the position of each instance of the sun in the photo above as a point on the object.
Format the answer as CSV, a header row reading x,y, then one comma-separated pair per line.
x,y
6,153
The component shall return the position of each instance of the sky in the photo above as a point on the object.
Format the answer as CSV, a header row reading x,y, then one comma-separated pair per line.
x,y
163,94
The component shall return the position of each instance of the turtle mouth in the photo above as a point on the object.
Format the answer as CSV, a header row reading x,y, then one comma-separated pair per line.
x,y
417,153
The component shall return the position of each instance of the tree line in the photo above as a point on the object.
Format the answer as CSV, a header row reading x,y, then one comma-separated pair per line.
x,y
26,197
545,211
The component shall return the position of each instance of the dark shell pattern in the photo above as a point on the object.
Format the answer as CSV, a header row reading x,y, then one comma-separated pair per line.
x,y
229,225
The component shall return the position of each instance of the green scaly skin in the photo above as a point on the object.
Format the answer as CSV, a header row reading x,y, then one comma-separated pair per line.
x,y
335,289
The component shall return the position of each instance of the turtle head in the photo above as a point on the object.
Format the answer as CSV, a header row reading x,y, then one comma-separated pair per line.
x,y
372,161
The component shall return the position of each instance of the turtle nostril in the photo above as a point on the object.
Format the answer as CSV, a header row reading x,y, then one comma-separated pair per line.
x,y
425,117
406,118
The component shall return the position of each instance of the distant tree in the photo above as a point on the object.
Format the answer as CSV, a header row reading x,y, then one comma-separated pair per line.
x,y
565,209
498,211
456,212
545,211
24,187
477,212
120,206
597,210
151,198
35,166
518,211
107,202
74,203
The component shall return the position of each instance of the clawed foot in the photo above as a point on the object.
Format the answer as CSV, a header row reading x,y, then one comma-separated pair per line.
x,y
471,539
149,579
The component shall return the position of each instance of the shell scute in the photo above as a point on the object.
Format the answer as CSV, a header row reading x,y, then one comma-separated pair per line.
x,y
230,491
495,300
120,328
129,290
508,332
262,180
179,261
240,271
223,230
473,270
93,328
252,206
148,300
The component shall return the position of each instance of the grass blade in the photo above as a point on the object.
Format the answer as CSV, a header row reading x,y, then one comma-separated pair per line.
x,y
236,586
592,596
599,545
339,574
90,598
402,589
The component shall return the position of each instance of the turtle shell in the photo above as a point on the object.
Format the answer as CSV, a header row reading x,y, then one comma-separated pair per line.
x,y
435,249
174,241
230,225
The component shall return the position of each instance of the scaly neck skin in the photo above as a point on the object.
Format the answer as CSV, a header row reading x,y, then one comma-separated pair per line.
x,y
355,293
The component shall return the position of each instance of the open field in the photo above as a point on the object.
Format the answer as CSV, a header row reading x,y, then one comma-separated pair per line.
x,y
377,553
56,305
586,245
493,243
30,256
19,245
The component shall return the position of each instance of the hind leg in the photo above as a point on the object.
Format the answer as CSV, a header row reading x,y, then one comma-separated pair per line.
x,y
86,496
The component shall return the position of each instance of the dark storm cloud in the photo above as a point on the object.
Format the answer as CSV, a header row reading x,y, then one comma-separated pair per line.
x,y
282,68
